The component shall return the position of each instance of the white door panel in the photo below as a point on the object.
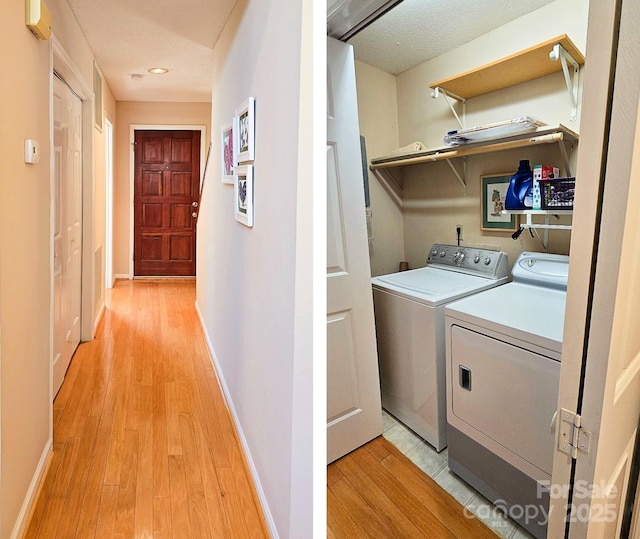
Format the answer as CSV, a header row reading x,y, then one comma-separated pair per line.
x,y
336,256
342,392
67,234
353,397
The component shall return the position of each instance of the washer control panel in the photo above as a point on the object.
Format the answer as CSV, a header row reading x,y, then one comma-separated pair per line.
x,y
471,260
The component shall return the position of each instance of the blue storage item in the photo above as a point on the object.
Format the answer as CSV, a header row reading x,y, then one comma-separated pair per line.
x,y
519,195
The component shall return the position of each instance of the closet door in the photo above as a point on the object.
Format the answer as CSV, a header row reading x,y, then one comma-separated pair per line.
x,y
67,233
354,412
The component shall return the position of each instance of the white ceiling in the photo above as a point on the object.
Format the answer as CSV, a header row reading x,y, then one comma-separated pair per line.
x,y
415,31
129,36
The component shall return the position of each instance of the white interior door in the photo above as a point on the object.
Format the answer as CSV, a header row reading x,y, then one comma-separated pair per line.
x,y
67,239
354,412
604,290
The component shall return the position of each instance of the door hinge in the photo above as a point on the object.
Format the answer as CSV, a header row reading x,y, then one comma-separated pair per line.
x,y
573,437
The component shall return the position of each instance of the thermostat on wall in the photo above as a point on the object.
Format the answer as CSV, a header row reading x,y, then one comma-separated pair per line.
x,y
31,151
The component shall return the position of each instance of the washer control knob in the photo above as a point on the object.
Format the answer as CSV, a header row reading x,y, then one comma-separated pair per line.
x,y
434,252
487,261
476,259
458,257
442,253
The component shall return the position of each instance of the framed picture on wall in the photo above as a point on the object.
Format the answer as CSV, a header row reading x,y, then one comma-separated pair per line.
x,y
227,158
244,132
243,194
492,195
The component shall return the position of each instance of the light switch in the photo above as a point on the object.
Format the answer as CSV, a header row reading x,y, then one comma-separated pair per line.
x,y
31,151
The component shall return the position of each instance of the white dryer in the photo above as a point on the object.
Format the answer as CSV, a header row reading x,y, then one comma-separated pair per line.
x,y
503,350
409,314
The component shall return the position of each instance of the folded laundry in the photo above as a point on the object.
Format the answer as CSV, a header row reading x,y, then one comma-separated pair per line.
x,y
409,148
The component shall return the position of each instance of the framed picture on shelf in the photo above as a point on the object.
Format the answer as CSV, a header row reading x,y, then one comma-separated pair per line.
x,y
493,192
243,194
227,158
244,132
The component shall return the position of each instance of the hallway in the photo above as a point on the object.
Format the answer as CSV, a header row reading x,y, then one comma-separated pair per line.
x,y
144,444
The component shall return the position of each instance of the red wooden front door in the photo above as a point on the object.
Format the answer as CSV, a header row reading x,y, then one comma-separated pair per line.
x,y
167,181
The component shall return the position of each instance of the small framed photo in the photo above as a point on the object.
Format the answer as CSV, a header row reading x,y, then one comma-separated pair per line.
x,y
243,194
245,132
227,158
493,193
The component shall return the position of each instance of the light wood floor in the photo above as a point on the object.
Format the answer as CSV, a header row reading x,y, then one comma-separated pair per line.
x,y
376,492
144,445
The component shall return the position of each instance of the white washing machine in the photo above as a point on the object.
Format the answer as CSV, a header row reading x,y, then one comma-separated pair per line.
x,y
409,313
503,349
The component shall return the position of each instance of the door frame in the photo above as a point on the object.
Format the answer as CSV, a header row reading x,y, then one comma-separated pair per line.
x,y
63,64
156,127
108,240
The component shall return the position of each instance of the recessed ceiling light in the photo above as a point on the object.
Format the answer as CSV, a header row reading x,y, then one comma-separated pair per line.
x,y
158,70
136,76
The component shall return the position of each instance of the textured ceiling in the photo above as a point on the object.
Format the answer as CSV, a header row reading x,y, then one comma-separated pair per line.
x,y
415,31
129,36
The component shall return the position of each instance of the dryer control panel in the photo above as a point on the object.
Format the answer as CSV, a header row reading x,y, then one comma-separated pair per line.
x,y
471,260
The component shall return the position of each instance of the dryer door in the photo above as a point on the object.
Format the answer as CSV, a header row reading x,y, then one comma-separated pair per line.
x,y
504,397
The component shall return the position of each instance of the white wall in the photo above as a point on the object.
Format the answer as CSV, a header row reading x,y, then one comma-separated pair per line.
x,y
249,279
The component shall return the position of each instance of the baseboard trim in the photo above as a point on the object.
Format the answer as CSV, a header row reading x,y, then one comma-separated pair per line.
x,y
98,319
37,482
117,276
243,440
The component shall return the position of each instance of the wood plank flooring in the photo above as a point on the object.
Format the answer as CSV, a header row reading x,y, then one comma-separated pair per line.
x,y
376,492
144,444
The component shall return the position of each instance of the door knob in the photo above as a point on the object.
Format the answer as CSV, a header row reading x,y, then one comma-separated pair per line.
x,y
194,204
194,214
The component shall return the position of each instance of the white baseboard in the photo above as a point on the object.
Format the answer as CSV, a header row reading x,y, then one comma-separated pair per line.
x,y
99,317
117,276
243,440
34,488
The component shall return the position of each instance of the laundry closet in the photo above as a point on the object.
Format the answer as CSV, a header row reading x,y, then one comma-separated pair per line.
x,y
423,207
425,192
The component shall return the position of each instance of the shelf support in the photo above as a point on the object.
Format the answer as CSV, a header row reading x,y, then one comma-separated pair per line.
x,y
437,91
560,53
565,158
390,184
530,224
462,179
